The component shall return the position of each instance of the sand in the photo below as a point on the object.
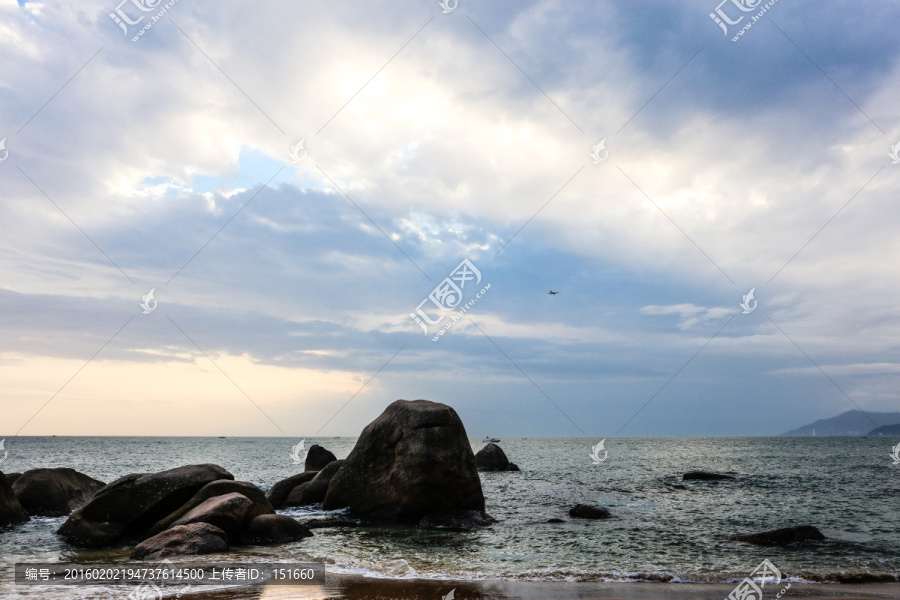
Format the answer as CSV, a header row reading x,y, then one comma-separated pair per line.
x,y
363,588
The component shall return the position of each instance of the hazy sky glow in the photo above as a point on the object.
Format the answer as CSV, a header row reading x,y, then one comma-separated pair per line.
x,y
430,138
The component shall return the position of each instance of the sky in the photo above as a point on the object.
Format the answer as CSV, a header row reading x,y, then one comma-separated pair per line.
x,y
648,165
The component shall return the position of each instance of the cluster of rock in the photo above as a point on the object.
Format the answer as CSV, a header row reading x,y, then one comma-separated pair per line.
x,y
195,509
413,464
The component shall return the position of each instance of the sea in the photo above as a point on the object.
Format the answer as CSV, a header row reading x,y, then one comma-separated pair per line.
x,y
663,530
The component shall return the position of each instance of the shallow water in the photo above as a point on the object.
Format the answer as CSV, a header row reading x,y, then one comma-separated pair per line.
x,y
664,529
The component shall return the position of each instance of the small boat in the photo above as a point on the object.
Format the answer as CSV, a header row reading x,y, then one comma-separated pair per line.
x,y
491,440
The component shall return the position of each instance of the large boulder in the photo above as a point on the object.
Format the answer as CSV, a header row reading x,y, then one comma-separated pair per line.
x,y
273,529
226,512
261,505
313,491
412,461
11,512
782,537
317,458
705,476
196,538
54,492
132,504
587,511
278,493
491,458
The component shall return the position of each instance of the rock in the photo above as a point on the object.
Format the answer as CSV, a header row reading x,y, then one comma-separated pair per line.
x,y
413,460
196,538
11,477
132,504
586,511
54,492
705,476
313,492
512,467
261,505
225,512
11,512
278,493
556,520
782,537
317,458
491,458
273,529
460,520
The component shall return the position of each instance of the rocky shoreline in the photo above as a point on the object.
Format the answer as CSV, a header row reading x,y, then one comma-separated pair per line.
x,y
413,465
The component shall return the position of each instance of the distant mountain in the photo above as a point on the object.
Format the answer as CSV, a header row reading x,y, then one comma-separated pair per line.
x,y
852,422
886,430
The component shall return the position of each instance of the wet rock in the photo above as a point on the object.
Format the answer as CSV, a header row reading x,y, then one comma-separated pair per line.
x,y
586,511
415,459
273,529
54,492
278,493
11,512
555,520
193,539
705,476
313,492
460,520
261,505
491,458
317,458
226,512
782,537
132,504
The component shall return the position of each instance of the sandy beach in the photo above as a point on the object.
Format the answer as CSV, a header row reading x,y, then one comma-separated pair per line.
x,y
347,587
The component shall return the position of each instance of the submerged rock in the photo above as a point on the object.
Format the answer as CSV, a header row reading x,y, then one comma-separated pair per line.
x,y
134,503
460,520
11,512
555,520
412,461
705,476
196,538
491,458
586,511
54,492
782,537
317,458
